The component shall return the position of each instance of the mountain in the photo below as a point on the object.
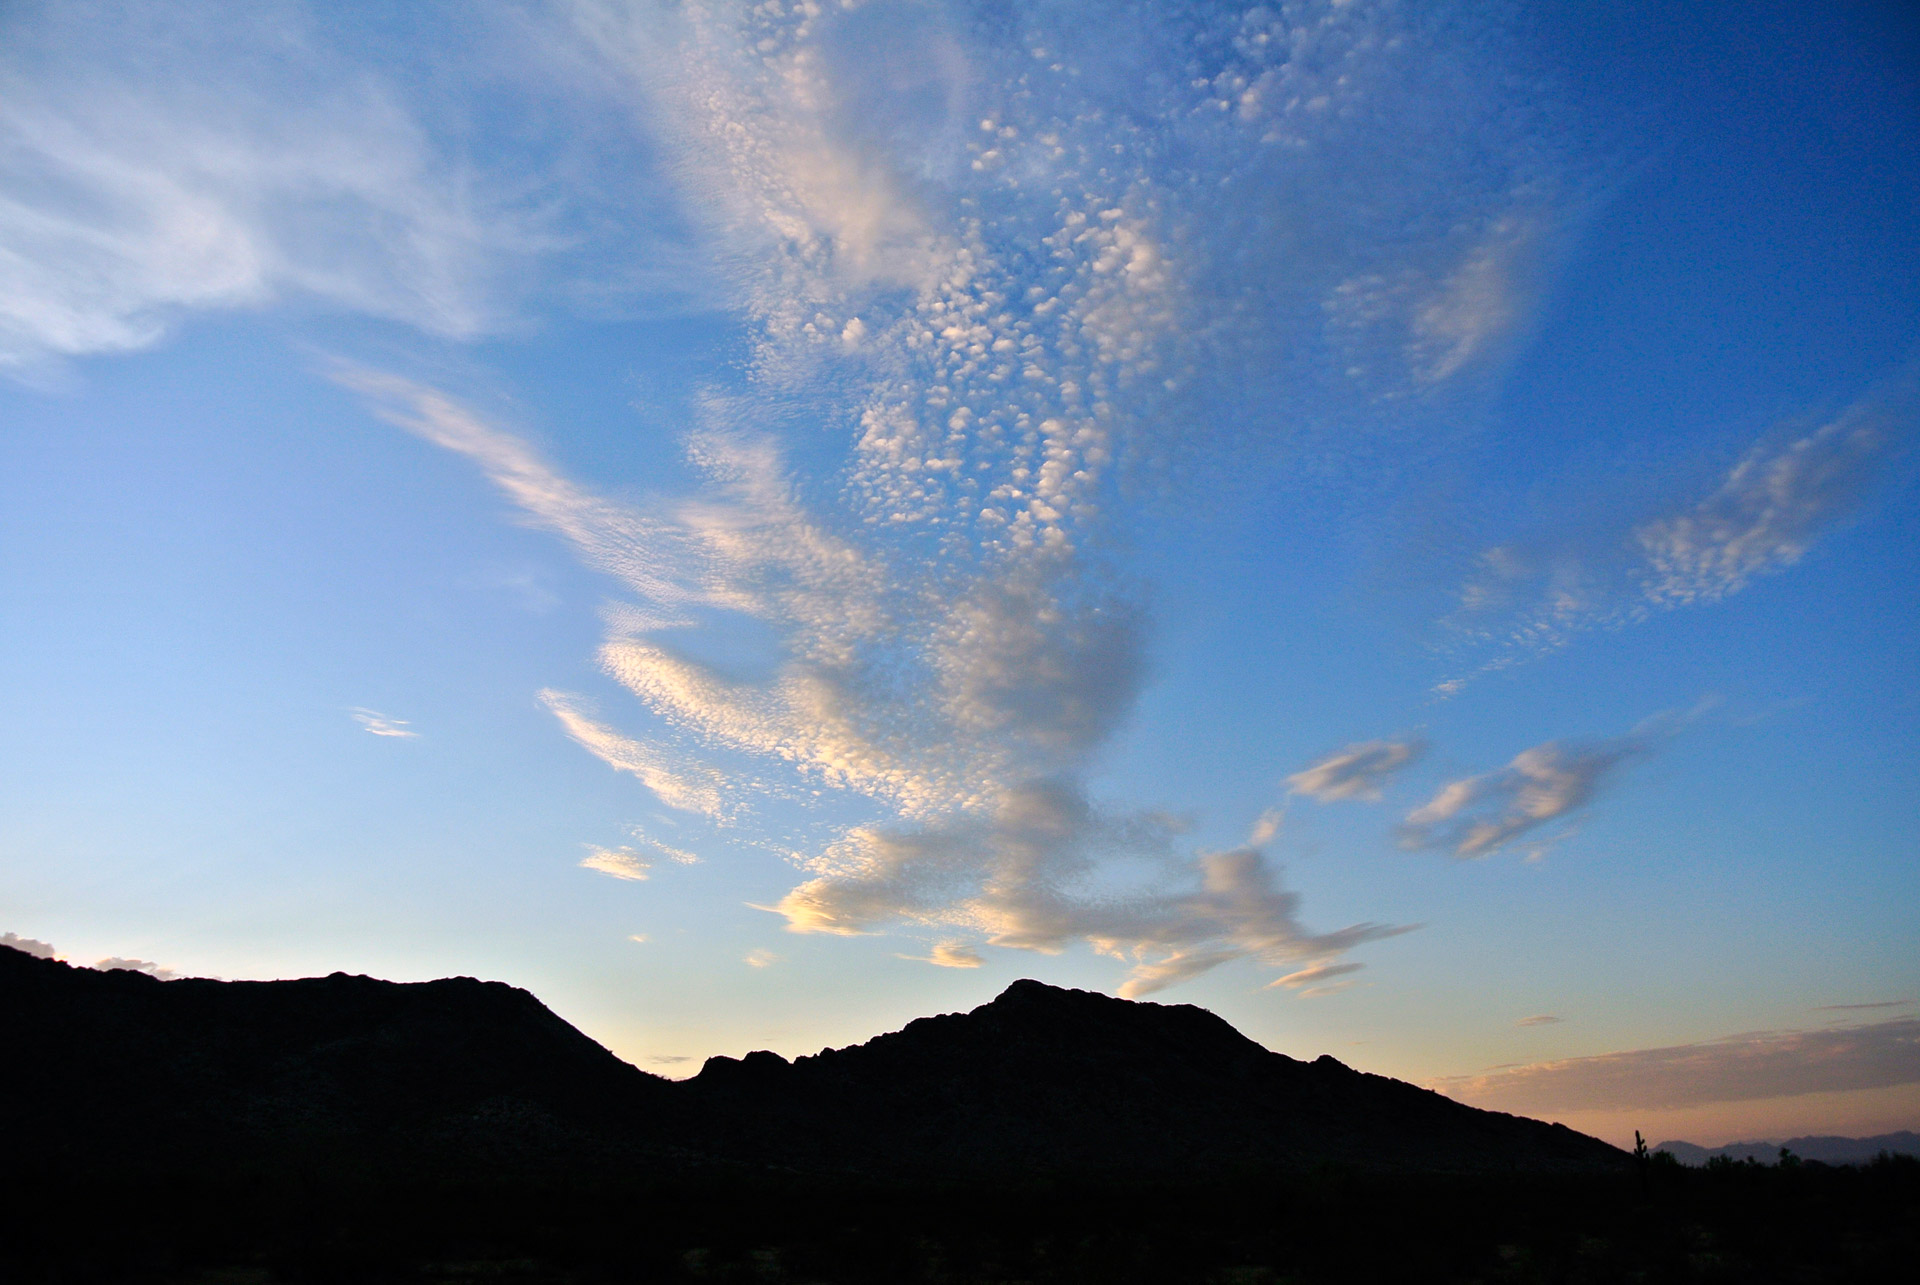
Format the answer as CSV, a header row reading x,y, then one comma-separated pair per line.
x,y
1050,1080
1825,1148
193,1073
448,1075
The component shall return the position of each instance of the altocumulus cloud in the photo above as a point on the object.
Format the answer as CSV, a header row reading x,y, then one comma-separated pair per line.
x,y
1764,1064
1767,512
1014,272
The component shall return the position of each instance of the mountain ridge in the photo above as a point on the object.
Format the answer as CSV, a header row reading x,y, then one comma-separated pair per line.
x,y
458,1072
1825,1148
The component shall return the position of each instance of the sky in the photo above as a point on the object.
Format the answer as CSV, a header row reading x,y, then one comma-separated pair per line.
x,y
1397,523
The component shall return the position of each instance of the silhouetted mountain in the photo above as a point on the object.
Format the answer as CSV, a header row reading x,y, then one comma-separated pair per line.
x,y
192,1072
1050,1080
448,1074
1824,1148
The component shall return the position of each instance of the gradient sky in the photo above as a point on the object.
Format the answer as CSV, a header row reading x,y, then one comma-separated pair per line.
x,y
1394,522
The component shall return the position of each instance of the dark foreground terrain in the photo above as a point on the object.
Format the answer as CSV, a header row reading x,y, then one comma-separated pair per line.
x,y
1736,1224
348,1129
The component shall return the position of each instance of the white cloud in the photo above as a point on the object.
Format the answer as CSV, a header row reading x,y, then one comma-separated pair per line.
x,y
1763,1064
38,949
162,160
761,958
621,863
380,725
1356,772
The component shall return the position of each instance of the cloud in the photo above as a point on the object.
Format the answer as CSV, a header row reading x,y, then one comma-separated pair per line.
x,y
1316,979
1478,815
1030,876
761,958
695,789
38,949
147,966
1762,1064
1851,1008
668,1059
380,725
679,856
1027,276
157,162
1767,512
1357,771
621,863
950,954
1265,827
1540,1019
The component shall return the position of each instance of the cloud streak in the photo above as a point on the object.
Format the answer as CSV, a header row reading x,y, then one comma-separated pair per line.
x,y
1763,1064
380,725
1476,816
1356,772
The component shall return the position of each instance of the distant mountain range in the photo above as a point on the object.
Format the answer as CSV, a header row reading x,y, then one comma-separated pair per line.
x,y
456,1075
1823,1148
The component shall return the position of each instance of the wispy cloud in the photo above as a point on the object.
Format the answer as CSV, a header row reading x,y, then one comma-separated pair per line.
x,y
1356,772
1856,1008
950,954
1762,1064
690,787
38,949
761,958
1540,1019
1317,979
381,725
1767,512
160,161
1478,815
621,863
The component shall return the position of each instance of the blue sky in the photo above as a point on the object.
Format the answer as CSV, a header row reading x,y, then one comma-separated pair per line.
x,y
1393,522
